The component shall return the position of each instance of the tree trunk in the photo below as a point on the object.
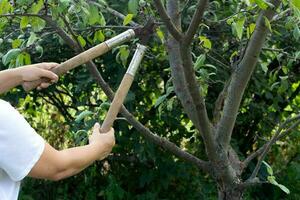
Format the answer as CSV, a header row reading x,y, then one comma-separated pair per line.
x,y
230,193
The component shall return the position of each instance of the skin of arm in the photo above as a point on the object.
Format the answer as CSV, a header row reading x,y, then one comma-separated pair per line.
x,y
56,165
13,77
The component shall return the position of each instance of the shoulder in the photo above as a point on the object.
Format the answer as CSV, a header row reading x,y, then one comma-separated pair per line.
x,y
6,109
4,105
10,118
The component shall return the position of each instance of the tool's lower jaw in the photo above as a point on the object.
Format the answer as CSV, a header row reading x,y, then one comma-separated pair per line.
x,y
136,60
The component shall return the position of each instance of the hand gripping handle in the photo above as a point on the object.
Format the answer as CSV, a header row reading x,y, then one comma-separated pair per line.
x,y
84,57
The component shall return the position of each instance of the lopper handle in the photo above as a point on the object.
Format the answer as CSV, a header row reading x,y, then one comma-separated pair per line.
x,y
70,64
83,57
117,103
123,88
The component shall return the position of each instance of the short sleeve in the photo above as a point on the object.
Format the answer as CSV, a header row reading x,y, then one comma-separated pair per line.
x,y
20,145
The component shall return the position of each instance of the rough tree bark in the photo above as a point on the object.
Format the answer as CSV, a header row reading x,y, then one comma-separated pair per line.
x,y
223,163
226,166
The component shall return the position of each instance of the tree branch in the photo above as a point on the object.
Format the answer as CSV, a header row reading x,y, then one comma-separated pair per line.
x,y
259,151
273,140
197,99
60,32
193,27
219,103
69,28
115,13
93,28
178,79
241,77
250,183
202,120
253,155
21,15
51,23
162,142
120,15
167,20
186,86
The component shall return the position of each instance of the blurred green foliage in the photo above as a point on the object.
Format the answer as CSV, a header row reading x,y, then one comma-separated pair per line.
x,y
64,113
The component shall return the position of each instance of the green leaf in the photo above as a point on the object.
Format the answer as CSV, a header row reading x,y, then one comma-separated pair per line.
x,y
99,36
94,16
123,54
296,32
268,24
160,35
229,21
63,4
200,62
240,27
274,85
269,168
160,100
19,60
31,39
127,19
272,180
102,2
296,3
5,7
81,41
170,104
102,21
10,55
133,6
24,22
283,188
250,29
16,43
37,24
233,55
81,132
264,67
36,7
40,50
83,115
105,105
170,90
206,43
261,4
3,22
27,58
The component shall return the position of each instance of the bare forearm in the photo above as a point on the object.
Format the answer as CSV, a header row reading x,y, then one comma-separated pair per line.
x,y
56,165
9,79
78,158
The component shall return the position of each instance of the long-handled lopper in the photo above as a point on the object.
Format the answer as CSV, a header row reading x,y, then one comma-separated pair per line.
x,y
143,34
127,80
94,52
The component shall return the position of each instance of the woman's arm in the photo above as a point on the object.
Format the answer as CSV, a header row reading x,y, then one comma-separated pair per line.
x,y
56,165
13,77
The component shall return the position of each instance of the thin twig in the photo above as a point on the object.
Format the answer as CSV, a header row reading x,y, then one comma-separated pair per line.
x,y
273,140
193,27
69,28
167,20
103,27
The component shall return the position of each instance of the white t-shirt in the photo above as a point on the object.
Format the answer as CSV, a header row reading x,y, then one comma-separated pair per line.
x,y
20,148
